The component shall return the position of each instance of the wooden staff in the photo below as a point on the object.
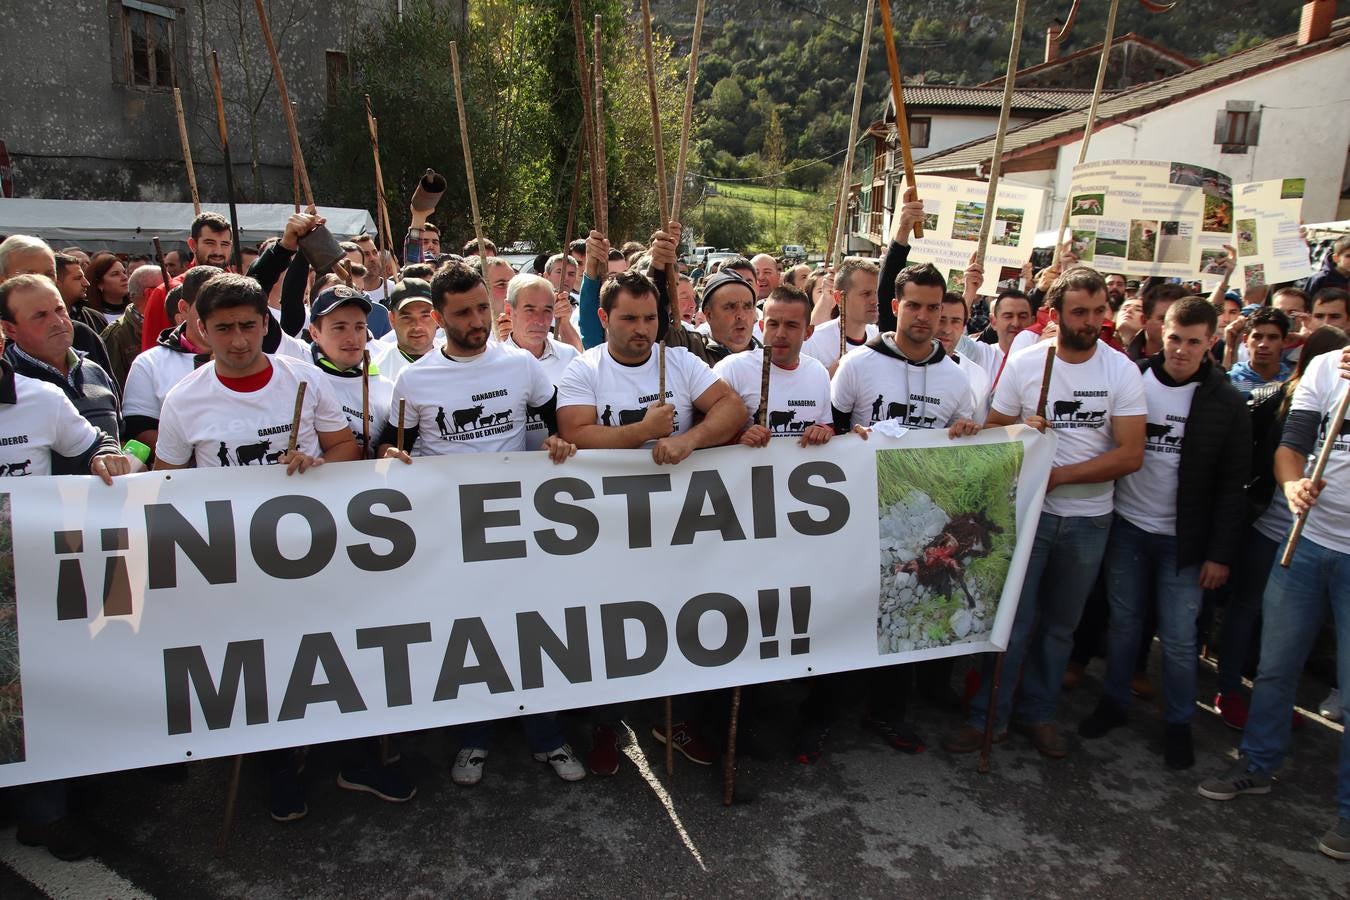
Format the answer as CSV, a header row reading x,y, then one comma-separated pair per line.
x,y
587,125
297,157
187,151
598,160
1091,121
468,158
729,765
159,258
295,180
295,419
402,404
996,164
1045,380
672,272
229,167
681,164
365,404
231,798
1319,467
381,207
898,96
841,243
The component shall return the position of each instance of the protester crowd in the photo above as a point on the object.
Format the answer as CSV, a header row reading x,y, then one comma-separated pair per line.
x,y
1185,424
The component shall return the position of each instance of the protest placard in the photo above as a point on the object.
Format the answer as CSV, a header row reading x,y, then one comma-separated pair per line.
x,y
953,213
195,614
1266,217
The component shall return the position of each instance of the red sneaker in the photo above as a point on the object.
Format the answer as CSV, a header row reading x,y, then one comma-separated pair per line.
x,y
688,741
604,756
1232,709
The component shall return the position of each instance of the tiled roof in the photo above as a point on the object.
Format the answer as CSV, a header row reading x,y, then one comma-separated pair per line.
x,y
1048,99
1094,51
1060,128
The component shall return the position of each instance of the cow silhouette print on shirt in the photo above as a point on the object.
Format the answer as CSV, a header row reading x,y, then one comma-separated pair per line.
x,y
1071,414
15,470
468,423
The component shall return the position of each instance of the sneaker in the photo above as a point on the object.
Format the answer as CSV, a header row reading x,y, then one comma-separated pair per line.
x,y
899,735
1236,780
1336,842
1046,738
969,739
809,744
1232,709
468,767
287,801
384,782
564,762
1142,687
1106,716
688,742
1330,708
604,756
1178,749
62,838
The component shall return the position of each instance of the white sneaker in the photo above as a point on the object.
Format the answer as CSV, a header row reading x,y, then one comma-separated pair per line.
x,y
468,767
564,762
1330,708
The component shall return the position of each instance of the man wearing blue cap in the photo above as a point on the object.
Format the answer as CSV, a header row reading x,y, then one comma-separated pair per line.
x,y
338,328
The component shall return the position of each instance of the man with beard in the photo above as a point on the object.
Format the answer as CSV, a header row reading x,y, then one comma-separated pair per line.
x,y
1097,407
73,284
1115,291
209,244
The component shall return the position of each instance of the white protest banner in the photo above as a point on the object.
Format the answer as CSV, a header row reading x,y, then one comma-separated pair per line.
x,y
1266,218
1148,217
195,614
953,212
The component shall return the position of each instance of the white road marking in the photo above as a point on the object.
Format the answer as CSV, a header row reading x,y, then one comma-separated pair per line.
x,y
634,752
61,880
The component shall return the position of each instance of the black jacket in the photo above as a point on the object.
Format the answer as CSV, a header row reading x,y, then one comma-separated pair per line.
x,y
1212,474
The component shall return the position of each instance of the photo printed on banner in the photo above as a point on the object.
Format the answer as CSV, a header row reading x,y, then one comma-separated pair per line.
x,y
11,681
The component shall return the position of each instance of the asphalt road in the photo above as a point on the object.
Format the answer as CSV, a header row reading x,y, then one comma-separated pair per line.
x,y
1109,821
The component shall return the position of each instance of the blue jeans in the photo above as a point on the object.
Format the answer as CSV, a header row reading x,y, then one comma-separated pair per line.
x,y
1295,607
1139,567
1065,557
541,733
1243,611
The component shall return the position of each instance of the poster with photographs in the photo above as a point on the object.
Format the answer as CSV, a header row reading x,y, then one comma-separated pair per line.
x,y
1265,232
954,210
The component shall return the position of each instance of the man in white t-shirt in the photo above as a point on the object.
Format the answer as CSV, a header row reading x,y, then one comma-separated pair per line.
x,y
414,330
530,307
1095,403
855,292
1178,521
1297,597
1010,315
338,328
608,397
906,375
950,329
799,386
472,396
237,411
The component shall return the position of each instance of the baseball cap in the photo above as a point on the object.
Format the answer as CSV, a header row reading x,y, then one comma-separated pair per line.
x,y
335,296
409,290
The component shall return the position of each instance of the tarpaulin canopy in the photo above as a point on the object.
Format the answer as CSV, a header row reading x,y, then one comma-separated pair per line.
x,y
128,226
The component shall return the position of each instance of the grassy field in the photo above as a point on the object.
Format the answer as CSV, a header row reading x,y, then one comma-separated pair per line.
x,y
803,218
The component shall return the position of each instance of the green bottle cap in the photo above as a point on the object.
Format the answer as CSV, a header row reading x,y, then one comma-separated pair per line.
x,y
138,450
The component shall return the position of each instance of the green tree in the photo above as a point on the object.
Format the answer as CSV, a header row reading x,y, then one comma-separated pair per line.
x,y
731,226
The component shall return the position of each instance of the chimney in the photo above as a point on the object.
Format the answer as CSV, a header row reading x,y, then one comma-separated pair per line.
x,y
1051,40
1316,22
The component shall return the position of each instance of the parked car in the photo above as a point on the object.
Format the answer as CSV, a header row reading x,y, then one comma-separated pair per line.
x,y
794,253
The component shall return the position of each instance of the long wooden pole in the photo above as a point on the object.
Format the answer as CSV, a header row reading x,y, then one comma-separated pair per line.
x,y
599,160
1091,123
671,271
187,151
468,158
898,97
1319,467
295,181
381,207
841,243
587,126
237,238
682,162
996,164
297,157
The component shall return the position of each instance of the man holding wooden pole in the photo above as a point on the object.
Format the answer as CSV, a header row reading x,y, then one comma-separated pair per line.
x,y
1297,597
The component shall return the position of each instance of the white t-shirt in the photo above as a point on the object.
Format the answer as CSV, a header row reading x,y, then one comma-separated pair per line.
x,y
993,364
390,360
823,344
40,422
979,385
1320,390
621,394
476,405
797,397
391,337
1148,497
872,386
1084,398
203,420
347,390
153,373
294,348
1024,339
556,357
